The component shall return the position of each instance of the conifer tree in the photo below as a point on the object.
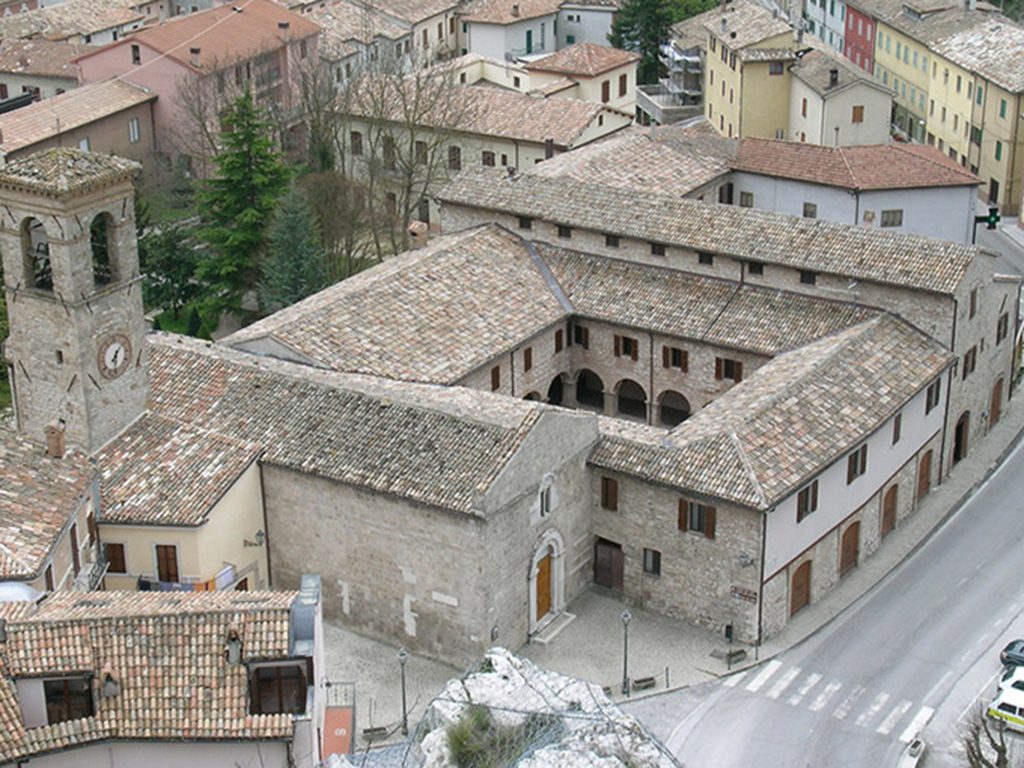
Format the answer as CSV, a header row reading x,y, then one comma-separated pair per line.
x,y
295,265
642,26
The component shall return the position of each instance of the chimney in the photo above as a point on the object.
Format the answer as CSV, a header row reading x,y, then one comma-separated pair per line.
x,y
549,148
55,444
515,9
833,77
194,56
724,24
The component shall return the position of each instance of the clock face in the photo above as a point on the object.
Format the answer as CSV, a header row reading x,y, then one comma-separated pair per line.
x,y
114,355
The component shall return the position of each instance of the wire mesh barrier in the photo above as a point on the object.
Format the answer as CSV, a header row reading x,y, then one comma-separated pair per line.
x,y
509,712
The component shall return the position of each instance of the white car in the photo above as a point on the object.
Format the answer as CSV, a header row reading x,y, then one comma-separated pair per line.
x,y
1012,677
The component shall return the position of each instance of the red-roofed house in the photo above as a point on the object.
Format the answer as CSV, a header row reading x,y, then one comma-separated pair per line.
x,y
196,64
899,187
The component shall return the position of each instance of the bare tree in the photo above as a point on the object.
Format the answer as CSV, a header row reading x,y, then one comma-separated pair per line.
x,y
984,741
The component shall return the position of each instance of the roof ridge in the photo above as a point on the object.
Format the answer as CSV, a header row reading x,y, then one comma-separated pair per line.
x,y
748,468
849,169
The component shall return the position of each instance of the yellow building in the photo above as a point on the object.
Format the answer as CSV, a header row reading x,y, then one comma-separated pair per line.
x,y
903,63
950,108
748,51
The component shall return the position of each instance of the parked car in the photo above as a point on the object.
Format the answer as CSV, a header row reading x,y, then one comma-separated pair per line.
x,y
1013,654
1012,677
1008,706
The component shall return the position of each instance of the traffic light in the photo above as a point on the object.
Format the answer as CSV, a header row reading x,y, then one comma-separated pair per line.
x,y
993,218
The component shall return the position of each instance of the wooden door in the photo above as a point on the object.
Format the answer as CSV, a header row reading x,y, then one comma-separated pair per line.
x,y
543,587
889,511
800,592
608,564
167,562
849,549
924,475
996,408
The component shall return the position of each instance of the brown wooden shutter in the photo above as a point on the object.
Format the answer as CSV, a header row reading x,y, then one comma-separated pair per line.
x,y
586,338
527,359
718,368
684,515
851,465
636,348
618,346
666,357
685,362
610,487
739,372
558,340
709,522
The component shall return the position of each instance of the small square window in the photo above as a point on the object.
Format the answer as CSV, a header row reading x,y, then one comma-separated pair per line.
x,y
810,210
892,218
525,222
657,249
612,241
755,268
564,232
652,562
746,199
806,500
705,258
808,278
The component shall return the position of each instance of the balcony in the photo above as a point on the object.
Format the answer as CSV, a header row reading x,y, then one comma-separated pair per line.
x,y
663,106
92,574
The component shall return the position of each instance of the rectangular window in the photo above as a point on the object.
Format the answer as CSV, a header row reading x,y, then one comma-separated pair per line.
x,y
858,114
167,562
746,199
1002,327
136,54
808,278
622,85
133,130
612,241
73,537
525,222
803,107
606,91
856,463
979,95
527,359
933,395
626,346
657,249
970,361
420,152
454,159
495,378
581,336
83,144
755,268
806,500
674,357
699,518
68,698
972,304
999,150
775,68
558,340
488,159
810,211
115,558
48,575
976,133
726,368
277,689
1002,108
892,218
897,428
705,258
564,232
610,493
652,562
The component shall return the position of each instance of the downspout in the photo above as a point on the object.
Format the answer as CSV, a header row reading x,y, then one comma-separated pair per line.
x,y
266,528
856,207
650,369
760,590
949,392
512,371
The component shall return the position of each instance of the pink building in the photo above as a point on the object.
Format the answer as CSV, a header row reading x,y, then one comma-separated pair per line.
x,y
197,64
860,38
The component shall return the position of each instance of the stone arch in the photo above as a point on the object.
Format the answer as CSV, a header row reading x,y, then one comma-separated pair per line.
x,y
590,391
35,249
630,400
673,408
533,396
550,548
556,390
961,437
102,247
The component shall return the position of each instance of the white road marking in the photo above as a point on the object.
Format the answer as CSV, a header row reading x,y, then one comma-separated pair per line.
x,y
920,720
961,582
893,717
830,690
783,682
732,680
844,709
876,704
810,682
770,669
997,623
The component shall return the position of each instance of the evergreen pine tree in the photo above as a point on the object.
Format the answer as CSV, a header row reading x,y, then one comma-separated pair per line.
x,y
295,265
236,204
642,26
194,323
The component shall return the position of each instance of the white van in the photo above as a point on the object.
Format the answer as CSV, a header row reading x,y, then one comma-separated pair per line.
x,y
1008,706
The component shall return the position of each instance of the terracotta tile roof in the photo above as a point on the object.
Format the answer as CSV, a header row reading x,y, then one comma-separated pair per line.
x,y
167,652
343,22
934,27
874,167
438,446
814,67
507,11
909,261
64,170
71,18
163,472
431,315
555,86
39,495
49,118
746,24
487,111
224,35
993,49
719,312
760,441
414,11
672,159
40,57
765,54
584,60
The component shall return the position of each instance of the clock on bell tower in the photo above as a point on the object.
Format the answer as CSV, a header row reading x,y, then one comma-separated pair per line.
x,y
76,350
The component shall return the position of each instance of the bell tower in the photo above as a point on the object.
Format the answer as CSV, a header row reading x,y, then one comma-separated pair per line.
x,y
76,352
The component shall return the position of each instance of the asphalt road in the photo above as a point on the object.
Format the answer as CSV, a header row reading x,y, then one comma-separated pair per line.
x,y
917,654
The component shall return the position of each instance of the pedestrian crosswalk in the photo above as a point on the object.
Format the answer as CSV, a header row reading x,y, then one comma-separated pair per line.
x,y
796,687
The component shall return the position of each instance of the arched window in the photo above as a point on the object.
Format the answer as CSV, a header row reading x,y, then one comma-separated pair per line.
x,y
632,400
100,232
590,390
673,408
35,248
555,390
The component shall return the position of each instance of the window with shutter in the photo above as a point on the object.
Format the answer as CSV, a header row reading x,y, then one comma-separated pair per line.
x,y
709,522
609,493
495,378
527,359
558,340
718,368
617,345
666,357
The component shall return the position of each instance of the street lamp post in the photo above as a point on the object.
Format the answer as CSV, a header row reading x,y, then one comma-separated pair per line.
x,y
625,616
403,656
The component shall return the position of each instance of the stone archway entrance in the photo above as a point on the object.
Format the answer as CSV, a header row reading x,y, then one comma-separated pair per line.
x,y
960,437
547,580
